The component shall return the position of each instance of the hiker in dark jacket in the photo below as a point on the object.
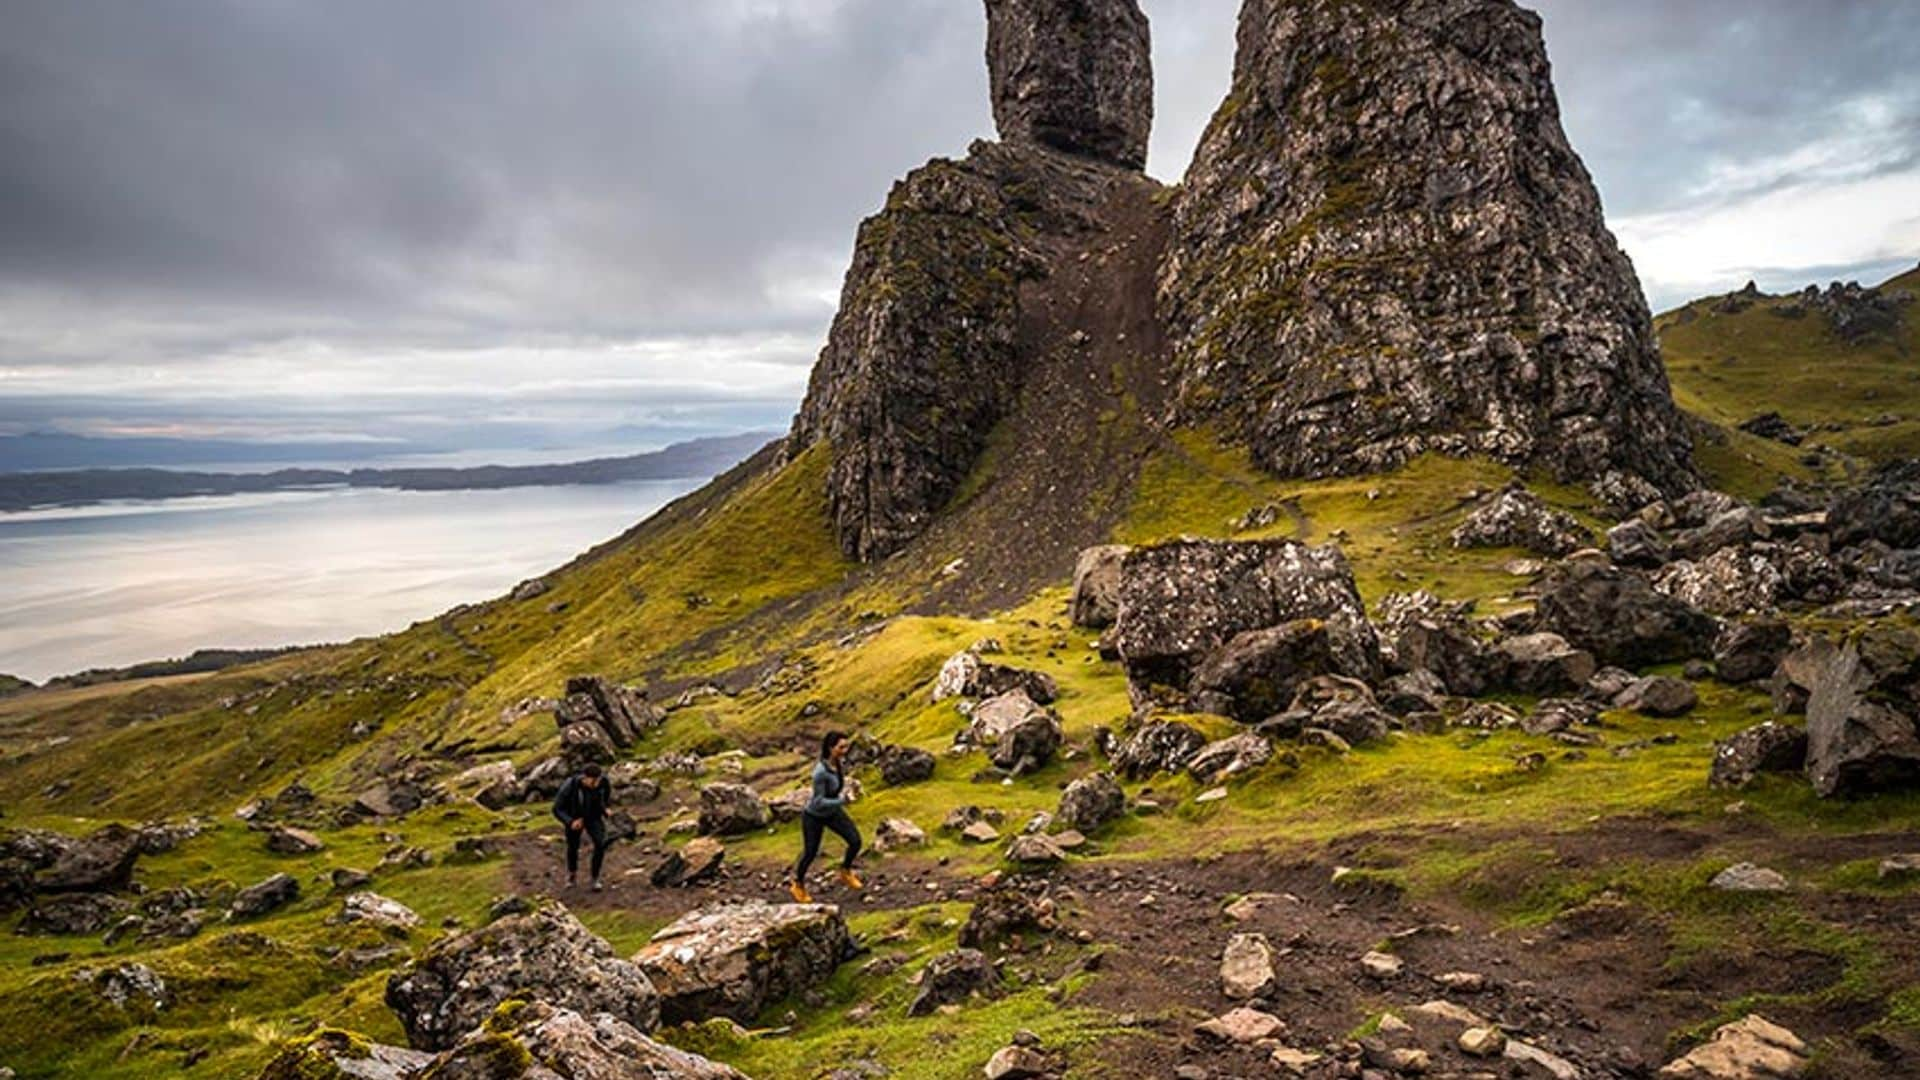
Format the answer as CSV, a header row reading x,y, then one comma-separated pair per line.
x,y
581,806
827,809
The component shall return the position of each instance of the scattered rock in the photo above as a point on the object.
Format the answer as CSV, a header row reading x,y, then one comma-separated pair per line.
x,y
1747,878
1856,743
1003,911
1751,1048
1381,965
367,907
1900,867
1763,748
980,832
1035,849
896,833
696,861
1246,968
1542,663
1158,746
127,987
103,861
1244,1026
1229,757
1750,650
267,896
544,955
732,959
71,914
623,713
287,840
728,809
1091,801
330,1054
537,1041
1017,733
1659,695
905,765
953,977
1017,1062
1482,1042
965,675
1616,615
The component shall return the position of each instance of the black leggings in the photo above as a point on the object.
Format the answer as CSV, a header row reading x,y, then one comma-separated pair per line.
x,y
810,829
598,831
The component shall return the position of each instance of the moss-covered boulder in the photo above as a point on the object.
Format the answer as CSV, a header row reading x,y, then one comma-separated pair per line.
x,y
732,959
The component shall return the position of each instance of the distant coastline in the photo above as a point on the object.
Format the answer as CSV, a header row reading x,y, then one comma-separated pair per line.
x,y
696,458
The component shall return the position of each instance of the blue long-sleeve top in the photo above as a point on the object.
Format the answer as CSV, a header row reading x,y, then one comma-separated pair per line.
x,y
829,787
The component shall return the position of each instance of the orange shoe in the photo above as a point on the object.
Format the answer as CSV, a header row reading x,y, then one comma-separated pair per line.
x,y
799,892
851,880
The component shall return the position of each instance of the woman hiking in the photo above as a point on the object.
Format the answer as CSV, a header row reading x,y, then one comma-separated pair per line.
x,y
827,809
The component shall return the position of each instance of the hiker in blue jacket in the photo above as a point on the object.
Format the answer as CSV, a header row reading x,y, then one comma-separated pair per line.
x,y
827,809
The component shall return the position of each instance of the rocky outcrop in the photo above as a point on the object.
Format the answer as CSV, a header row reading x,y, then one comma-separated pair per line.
x,y
1075,75
538,1041
1256,673
923,358
1096,586
1616,615
728,809
1386,246
1517,518
965,675
1764,748
623,712
544,955
1750,651
732,959
1017,734
1182,603
1159,746
1421,632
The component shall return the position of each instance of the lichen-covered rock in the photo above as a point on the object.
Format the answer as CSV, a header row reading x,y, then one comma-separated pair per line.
x,y
1182,602
1858,740
1017,734
537,1041
71,913
1541,663
585,744
695,861
1091,801
966,675
544,955
330,1054
905,765
1159,746
1246,967
376,910
1517,518
1885,508
1256,673
728,809
1386,246
1636,543
1076,75
1615,614
1421,632
953,977
1096,586
1013,907
1764,748
732,959
1731,581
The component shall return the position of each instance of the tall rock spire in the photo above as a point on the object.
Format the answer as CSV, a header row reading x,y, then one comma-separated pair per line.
x,y
1386,246
1076,75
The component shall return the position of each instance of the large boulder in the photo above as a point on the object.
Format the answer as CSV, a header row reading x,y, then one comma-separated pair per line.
x,y
1158,746
1017,733
1636,543
1886,508
1541,664
728,809
1731,581
1658,695
1075,75
1861,735
1517,518
100,862
1763,748
732,959
1421,632
1256,674
585,744
1096,586
1750,650
1180,603
1386,247
1617,616
544,955
1090,802
539,1041
71,913
623,712
905,765
966,675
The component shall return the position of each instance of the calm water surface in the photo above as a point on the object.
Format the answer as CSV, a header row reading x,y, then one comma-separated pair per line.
x,y
120,583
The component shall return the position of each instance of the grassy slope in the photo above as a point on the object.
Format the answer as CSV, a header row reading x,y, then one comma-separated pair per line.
x,y
747,569
1728,368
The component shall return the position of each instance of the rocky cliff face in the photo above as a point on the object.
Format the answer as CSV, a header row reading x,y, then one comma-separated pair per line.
x,y
1076,75
924,357
1386,246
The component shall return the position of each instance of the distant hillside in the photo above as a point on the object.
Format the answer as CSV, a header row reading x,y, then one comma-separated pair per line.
x,y
688,460
10,684
1839,365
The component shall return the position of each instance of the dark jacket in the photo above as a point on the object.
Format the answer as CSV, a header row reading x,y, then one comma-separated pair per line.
x,y
828,785
576,800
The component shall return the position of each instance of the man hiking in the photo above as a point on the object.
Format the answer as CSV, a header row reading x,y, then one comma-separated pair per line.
x,y
581,806
827,809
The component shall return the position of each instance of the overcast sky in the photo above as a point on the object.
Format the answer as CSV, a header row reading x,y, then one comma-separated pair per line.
x,y
486,222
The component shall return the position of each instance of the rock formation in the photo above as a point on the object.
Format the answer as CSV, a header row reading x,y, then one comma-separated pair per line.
x,y
1386,246
732,959
1076,75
